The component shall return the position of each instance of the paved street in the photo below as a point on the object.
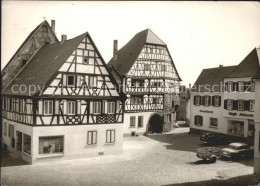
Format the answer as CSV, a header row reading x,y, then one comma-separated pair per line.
x,y
154,160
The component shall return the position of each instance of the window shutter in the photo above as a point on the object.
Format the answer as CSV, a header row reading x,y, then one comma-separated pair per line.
x,y
104,107
219,101
194,101
247,105
196,121
39,107
226,87
117,106
247,86
209,100
213,100
200,101
78,107
225,104
91,107
203,100
235,86
64,79
57,104
78,80
65,107
201,120
235,106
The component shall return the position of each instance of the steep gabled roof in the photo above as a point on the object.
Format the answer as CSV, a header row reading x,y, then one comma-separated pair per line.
x,y
248,67
27,39
212,76
44,65
128,54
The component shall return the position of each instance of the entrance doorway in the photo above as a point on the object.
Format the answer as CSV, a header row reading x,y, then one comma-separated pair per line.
x,y
155,124
19,141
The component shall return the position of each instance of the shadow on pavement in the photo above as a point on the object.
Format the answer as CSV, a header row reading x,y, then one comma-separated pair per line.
x,y
250,179
190,142
8,160
178,141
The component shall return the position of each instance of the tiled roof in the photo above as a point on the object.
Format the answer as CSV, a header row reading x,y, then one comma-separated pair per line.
x,y
128,54
27,39
210,77
249,67
44,64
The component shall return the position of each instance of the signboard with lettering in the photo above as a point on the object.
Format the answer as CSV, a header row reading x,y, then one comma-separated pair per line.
x,y
206,111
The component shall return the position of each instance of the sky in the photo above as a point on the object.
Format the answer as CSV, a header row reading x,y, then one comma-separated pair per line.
x,y
198,35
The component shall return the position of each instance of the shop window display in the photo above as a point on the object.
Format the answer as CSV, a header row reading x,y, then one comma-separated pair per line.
x,y
51,144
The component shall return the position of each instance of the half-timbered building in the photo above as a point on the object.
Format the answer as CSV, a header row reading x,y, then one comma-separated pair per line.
x,y
42,34
148,76
64,103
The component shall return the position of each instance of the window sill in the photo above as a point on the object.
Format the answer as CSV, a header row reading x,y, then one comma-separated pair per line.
x,y
50,155
132,127
213,127
109,144
140,127
91,146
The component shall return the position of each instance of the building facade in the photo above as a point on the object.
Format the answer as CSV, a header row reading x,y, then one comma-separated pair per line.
x,y
148,76
42,34
236,112
63,104
207,101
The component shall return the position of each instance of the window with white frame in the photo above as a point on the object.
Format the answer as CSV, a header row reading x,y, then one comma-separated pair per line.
x,y
92,81
197,100
252,86
111,107
206,100
214,122
198,120
230,104
140,121
147,67
97,107
71,107
92,138
252,105
71,81
48,107
132,121
110,136
163,68
241,86
216,101
240,105
230,86
21,105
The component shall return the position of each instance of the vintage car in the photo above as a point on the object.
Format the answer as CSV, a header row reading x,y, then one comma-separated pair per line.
x,y
209,153
213,139
236,150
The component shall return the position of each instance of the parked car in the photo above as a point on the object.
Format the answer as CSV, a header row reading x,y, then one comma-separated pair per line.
x,y
236,150
209,153
213,139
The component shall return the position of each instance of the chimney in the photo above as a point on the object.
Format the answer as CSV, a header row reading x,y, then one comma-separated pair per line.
x,y
63,37
220,66
115,54
53,26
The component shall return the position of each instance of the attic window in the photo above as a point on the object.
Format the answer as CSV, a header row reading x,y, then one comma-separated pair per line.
x,y
71,80
85,60
24,62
